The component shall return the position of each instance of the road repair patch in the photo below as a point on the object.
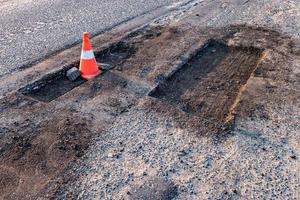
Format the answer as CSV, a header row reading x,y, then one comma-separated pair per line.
x,y
215,72
205,92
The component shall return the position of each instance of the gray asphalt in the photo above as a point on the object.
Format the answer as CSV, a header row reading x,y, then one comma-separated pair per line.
x,y
30,30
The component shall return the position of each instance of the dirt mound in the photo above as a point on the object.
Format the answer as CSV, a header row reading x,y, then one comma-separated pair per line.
x,y
32,161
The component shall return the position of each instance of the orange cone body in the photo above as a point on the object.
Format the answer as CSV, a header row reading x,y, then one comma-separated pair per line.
x,y
88,66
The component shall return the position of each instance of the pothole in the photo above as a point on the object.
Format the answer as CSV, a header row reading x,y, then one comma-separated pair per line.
x,y
51,86
209,83
57,84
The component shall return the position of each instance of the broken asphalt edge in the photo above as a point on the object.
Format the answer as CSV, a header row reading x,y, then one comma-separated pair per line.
x,y
69,57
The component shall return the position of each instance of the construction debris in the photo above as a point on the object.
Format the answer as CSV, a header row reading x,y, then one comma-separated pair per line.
x,y
105,66
73,73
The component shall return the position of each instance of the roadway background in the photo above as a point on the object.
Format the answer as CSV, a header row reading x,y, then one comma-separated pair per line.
x,y
30,30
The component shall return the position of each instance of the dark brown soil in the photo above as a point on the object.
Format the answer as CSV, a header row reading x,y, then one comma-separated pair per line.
x,y
36,159
209,84
115,54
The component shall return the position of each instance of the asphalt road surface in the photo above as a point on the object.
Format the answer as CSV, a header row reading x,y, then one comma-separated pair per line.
x,y
32,29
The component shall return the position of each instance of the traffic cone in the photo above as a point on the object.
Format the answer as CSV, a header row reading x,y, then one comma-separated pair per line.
x,y
88,66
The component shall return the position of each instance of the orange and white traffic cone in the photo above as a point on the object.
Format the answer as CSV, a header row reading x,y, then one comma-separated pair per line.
x,y
88,66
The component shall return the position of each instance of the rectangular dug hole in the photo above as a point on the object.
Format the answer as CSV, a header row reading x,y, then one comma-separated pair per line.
x,y
57,84
208,84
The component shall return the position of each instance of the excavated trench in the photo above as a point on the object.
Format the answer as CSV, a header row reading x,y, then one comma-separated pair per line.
x,y
56,84
209,83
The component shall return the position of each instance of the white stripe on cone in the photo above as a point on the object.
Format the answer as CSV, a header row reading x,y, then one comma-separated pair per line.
x,y
87,55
